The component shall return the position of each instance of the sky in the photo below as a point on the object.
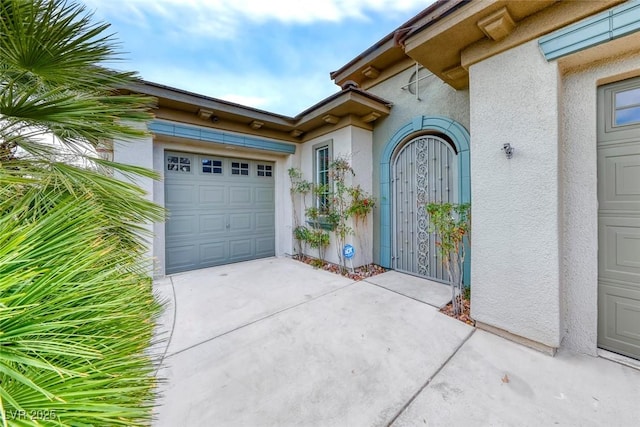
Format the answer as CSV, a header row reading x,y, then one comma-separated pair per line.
x,y
275,55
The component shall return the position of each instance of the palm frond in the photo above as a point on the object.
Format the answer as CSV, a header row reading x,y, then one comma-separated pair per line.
x,y
76,315
77,309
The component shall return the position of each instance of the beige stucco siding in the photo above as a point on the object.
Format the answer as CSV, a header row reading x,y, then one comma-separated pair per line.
x,y
354,144
515,254
437,99
138,152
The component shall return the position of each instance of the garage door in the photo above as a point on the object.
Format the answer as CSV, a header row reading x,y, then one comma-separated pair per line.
x,y
619,218
221,210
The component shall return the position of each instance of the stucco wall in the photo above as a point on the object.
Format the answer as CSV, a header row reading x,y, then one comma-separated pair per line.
x,y
437,99
354,144
580,195
361,158
516,211
283,216
138,153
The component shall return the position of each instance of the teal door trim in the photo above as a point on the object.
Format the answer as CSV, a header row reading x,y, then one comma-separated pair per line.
x,y
435,125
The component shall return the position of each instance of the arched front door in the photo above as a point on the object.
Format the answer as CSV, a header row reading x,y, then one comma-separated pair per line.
x,y
423,170
439,129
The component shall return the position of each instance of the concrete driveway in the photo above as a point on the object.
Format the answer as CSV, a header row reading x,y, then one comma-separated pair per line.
x,y
274,342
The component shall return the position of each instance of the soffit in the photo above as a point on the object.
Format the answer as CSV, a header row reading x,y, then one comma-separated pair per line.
x,y
186,107
351,102
450,46
438,46
366,67
384,57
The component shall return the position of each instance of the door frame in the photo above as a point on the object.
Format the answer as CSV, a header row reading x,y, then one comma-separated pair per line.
x,y
164,150
434,268
420,125
619,138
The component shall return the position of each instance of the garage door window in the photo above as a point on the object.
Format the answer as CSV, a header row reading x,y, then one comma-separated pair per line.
x,y
265,170
212,166
238,168
627,107
178,164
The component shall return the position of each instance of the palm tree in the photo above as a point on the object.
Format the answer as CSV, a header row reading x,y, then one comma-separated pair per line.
x,y
77,310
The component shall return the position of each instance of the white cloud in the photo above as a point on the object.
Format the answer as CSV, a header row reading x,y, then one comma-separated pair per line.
x,y
245,51
223,18
288,95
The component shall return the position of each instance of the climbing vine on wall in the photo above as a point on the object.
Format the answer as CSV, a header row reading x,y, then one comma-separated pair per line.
x,y
333,219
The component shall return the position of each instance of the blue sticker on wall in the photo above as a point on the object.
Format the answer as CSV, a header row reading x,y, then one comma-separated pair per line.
x,y
348,251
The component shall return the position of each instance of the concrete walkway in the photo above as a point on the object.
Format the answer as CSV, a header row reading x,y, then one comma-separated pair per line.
x,y
275,342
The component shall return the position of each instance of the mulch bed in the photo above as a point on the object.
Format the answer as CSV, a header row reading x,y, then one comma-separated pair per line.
x,y
359,273
365,271
465,316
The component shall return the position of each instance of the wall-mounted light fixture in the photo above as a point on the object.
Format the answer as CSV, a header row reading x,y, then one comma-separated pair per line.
x,y
508,150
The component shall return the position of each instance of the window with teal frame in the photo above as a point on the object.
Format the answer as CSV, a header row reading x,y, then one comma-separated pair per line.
x,y
322,154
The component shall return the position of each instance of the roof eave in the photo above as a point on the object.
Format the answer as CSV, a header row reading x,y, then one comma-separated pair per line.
x,y
364,107
391,45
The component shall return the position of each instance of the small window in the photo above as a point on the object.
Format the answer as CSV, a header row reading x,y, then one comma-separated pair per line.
x,y
321,162
627,107
265,170
212,166
178,164
238,168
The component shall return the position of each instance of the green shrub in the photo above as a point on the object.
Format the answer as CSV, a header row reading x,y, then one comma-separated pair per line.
x,y
76,305
452,224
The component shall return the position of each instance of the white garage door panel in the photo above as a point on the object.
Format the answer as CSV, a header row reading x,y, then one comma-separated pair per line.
x,y
619,219
217,216
619,307
182,225
620,173
179,193
212,194
264,195
264,246
621,259
213,223
182,257
264,221
215,252
240,223
240,196
240,249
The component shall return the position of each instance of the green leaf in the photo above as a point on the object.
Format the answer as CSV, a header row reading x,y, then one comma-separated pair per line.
x,y
77,310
